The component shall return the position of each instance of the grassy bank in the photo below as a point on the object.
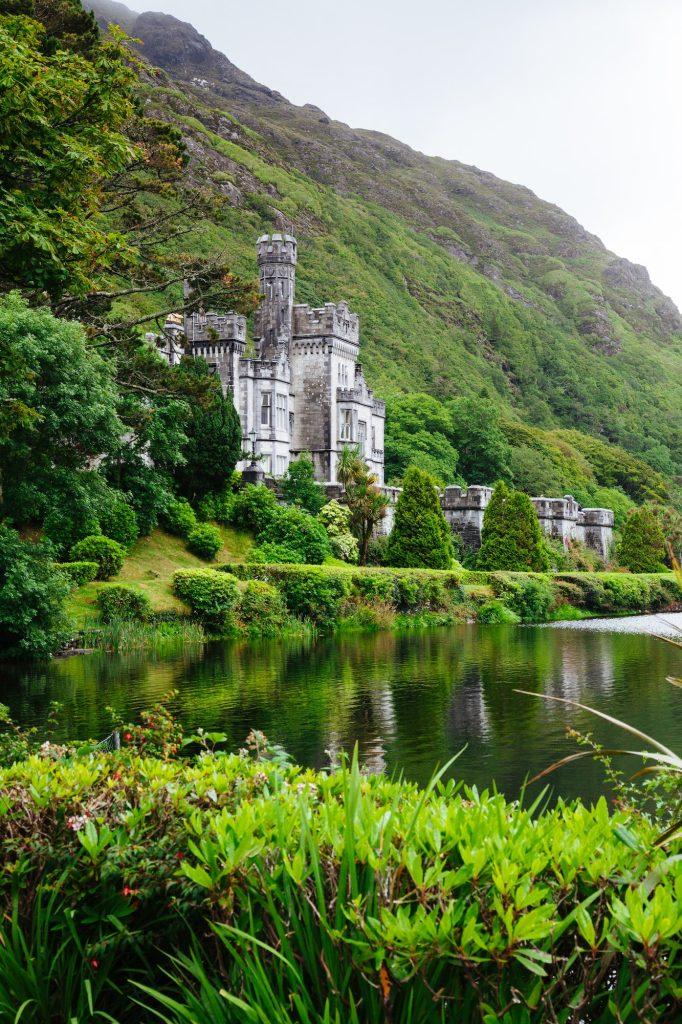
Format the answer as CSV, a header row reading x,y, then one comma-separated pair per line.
x,y
294,599
238,888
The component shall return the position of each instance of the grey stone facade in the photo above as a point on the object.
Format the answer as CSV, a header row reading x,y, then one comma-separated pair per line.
x,y
304,390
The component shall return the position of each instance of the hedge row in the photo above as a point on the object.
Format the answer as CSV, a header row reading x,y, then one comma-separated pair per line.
x,y
606,593
316,592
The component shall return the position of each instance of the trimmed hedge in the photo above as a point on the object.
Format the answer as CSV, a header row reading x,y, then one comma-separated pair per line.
x,y
316,592
211,595
108,554
261,609
79,573
116,601
605,593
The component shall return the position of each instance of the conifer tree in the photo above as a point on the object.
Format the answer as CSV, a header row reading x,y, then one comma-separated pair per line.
x,y
512,538
642,544
421,537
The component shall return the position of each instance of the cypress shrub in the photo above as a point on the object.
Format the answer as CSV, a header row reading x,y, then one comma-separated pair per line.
x,y
642,542
421,537
512,538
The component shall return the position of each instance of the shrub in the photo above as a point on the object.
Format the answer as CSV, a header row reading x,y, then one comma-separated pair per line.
x,y
421,537
642,542
178,517
108,554
118,520
205,541
253,508
32,590
374,587
119,602
336,520
299,486
575,885
496,613
512,538
217,507
300,532
530,597
274,554
261,608
212,595
79,573
310,592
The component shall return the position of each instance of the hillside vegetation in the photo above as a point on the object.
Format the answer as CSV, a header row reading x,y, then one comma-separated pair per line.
x,y
464,283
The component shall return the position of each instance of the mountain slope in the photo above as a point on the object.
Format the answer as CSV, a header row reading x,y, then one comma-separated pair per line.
x,y
463,281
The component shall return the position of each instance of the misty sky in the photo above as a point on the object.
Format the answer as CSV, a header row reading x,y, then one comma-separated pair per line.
x,y
577,99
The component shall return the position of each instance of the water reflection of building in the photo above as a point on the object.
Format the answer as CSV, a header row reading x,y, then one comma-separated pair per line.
x,y
467,712
586,666
368,720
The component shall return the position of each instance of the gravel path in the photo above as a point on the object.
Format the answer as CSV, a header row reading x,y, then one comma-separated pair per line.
x,y
665,624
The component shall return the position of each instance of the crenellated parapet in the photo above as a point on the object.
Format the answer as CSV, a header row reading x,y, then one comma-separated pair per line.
x,y
207,328
331,320
277,248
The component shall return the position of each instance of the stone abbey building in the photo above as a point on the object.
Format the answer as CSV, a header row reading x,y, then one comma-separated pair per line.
x,y
303,390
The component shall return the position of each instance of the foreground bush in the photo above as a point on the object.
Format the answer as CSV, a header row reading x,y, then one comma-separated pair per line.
x,y
108,554
116,602
285,895
211,595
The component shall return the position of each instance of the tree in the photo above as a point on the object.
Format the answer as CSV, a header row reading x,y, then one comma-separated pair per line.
x,y
419,432
214,437
534,472
484,452
512,538
642,542
94,195
299,486
365,501
421,537
32,591
59,402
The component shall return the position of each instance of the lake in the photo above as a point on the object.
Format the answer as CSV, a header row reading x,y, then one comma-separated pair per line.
x,y
410,701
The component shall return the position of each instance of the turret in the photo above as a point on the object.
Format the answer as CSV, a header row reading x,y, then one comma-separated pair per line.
x,y
277,277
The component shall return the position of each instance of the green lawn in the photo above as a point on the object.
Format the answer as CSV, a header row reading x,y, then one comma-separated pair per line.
x,y
149,568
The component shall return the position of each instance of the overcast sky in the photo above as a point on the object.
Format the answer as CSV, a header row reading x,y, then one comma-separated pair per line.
x,y
577,99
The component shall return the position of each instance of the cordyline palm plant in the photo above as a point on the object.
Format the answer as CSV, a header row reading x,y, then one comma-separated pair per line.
x,y
660,759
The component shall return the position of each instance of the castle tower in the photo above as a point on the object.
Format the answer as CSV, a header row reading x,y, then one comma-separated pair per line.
x,y
277,277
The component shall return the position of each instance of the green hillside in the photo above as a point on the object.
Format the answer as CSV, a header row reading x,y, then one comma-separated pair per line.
x,y
464,283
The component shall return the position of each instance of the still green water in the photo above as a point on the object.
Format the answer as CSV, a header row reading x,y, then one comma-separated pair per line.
x,y
410,701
